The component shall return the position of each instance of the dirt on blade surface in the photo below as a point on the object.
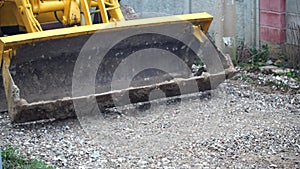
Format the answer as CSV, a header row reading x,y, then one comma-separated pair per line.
x,y
237,125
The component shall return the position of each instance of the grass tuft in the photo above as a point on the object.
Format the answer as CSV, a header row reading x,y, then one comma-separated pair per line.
x,y
12,160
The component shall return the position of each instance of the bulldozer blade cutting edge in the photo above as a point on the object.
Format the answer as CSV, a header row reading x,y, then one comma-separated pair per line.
x,y
38,68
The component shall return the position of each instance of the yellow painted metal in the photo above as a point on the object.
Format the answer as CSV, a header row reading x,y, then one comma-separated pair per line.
x,y
49,17
1,54
89,2
66,12
103,11
71,13
7,56
198,33
25,12
115,11
86,12
201,20
48,6
8,15
32,13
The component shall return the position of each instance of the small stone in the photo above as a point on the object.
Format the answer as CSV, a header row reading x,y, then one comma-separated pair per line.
x,y
269,62
205,163
142,162
48,146
43,154
268,68
273,166
104,161
120,159
95,155
165,160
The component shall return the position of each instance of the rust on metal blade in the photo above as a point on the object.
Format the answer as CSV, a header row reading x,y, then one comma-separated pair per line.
x,y
64,108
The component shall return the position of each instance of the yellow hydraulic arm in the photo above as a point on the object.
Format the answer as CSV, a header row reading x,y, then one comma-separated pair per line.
x,y
30,14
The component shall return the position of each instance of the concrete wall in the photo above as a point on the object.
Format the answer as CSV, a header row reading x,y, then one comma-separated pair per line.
x,y
233,18
159,6
293,22
292,47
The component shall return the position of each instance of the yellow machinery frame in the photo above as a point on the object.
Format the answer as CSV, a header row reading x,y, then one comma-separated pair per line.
x,y
31,13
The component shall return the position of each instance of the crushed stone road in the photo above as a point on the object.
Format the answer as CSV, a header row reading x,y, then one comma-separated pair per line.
x,y
237,125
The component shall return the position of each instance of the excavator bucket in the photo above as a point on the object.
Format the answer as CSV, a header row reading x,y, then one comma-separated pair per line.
x,y
45,73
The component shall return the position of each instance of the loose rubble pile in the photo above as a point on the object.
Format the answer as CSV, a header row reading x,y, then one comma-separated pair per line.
x,y
237,125
271,76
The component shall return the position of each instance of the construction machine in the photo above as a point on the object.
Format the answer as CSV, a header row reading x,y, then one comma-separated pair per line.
x,y
42,42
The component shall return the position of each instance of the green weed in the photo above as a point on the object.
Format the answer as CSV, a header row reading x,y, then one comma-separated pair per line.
x,y
12,160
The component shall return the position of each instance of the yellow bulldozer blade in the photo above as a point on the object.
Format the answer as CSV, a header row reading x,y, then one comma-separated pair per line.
x,y
38,69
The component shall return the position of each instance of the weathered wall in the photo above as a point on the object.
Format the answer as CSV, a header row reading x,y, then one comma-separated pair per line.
x,y
280,28
293,22
292,47
273,21
159,6
232,17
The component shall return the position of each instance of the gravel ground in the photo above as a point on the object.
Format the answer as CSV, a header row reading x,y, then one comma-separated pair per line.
x,y
238,125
